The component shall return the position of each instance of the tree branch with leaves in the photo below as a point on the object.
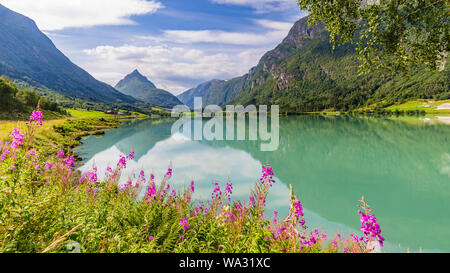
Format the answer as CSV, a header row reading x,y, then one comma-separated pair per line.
x,y
390,35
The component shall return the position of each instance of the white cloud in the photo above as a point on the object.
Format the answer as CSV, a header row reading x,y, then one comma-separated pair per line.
x,y
170,67
278,25
261,6
278,30
179,61
222,37
57,14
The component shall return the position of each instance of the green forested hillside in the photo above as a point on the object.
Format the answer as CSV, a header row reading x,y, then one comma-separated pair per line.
x,y
305,74
18,103
29,56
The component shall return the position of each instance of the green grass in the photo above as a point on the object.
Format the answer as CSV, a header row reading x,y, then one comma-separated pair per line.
x,y
82,113
429,106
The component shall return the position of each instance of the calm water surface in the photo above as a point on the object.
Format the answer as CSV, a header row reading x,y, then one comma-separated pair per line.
x,y
401,167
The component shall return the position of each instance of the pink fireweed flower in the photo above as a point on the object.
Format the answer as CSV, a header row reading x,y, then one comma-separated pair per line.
x,y
60,154
251,201
150,238
216,192
125,186
36,118
275,215
141,178
48,165
370,228
229,190
192,186
267,175
32,153
122,162
91,177
313,239
69,162
169,173
298,211
5,154
130,156
17,138
184,224
355,237
151,191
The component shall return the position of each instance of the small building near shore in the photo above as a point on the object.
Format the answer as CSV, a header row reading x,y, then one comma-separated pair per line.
x,y
112,112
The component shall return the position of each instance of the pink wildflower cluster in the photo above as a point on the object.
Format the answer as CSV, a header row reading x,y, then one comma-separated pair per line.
x,y
69,161
36,118
60,154
151,189
126,186
184,224
369,225
251,201
16,143
169,173
267,175
141,179
122,162
90,177
229,190
312,240
48,165
17,138
298,210
66,161
216,191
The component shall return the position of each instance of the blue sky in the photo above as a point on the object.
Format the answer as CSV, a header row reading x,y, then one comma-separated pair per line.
x,y
177,44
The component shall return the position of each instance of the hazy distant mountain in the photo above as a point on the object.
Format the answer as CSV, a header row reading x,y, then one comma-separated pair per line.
x,y
201,90
139,87
305,74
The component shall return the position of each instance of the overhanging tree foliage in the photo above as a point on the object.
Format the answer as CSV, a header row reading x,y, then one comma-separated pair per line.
x,y
393,35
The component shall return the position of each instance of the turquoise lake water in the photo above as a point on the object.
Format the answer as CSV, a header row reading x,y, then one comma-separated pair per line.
x,y
401,167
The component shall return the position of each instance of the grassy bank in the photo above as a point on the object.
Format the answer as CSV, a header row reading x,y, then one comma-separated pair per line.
x,y
427,106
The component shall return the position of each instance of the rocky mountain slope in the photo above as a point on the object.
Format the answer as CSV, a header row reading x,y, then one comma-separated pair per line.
x,y
29,56
139,87
305,74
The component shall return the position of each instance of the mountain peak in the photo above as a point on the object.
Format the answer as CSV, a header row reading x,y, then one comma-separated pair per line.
x,y
138,86
136,72
135,76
